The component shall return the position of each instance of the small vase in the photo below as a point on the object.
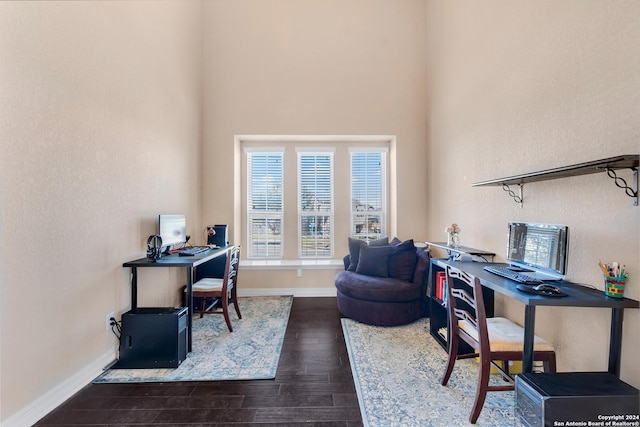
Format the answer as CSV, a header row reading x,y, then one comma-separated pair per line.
x,y
453,240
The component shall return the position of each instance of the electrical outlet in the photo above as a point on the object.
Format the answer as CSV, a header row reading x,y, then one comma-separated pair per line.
x,y
108,320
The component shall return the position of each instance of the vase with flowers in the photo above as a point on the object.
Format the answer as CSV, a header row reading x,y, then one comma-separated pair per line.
x,y
453,235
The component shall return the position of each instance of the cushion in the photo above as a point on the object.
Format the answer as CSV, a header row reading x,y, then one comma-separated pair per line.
x,y
402,260
374,261
505,335
379,242
354,249
207,284
354,252
423,262
380,289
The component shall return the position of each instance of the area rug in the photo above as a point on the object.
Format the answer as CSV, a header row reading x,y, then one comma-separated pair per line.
x,y
397,371
251,351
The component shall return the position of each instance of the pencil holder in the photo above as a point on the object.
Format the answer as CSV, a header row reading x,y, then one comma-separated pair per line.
x,y
614,286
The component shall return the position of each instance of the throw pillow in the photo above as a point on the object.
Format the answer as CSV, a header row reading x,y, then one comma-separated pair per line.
x,y
402,260
380,242
354,250
374,261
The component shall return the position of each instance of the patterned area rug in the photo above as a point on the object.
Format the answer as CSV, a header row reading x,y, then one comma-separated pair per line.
x,y
251,351
397,371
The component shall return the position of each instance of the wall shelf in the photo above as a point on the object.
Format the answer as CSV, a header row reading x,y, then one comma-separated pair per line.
x,y
608,165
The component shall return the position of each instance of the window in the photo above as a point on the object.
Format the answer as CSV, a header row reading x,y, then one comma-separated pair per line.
x,y
368,193
265,209
315,203
303,195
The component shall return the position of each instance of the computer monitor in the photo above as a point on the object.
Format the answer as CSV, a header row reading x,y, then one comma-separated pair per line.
x,y
538,248
172,229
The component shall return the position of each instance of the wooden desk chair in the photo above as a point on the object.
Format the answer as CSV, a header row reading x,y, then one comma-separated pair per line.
x,y
494,339
216,294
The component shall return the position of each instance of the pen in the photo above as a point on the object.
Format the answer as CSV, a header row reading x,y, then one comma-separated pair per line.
x,y
613,270
603,268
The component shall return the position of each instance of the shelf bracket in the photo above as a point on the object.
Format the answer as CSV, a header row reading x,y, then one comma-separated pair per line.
x,y
516,197
621,183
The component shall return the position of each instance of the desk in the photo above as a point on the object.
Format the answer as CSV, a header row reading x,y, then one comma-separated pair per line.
x,y
456,253
578,296
174,260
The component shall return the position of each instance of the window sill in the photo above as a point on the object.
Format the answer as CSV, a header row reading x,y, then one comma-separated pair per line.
x,y
294,264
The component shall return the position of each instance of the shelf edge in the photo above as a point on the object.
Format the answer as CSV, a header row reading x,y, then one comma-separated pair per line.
x,y
628,161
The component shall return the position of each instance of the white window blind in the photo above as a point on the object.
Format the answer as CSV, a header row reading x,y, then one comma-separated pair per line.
x,y
542,247
315,206
265,211
368,193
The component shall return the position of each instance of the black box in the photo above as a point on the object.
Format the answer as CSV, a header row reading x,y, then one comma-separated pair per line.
x,y
153,338
221,236
575,399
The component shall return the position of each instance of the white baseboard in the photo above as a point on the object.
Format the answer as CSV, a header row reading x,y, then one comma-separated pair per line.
x,y
46,403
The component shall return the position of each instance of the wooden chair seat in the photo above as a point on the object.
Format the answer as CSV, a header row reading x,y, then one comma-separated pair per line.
x,y
208,284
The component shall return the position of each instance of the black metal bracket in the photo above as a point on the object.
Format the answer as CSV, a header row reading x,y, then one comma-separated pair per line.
x,y
608,165
621,183
516,197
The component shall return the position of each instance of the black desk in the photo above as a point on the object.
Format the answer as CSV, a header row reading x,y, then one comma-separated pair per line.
x,y
456,253
186,262
578,296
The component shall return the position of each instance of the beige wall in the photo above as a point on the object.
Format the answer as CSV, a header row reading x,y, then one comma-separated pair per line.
x,y
100,129
516,87
322,67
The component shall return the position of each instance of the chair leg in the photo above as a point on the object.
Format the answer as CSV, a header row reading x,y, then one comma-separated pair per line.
x,y
483,386
453,352
549,364
225,311
202,306
505,367
234,296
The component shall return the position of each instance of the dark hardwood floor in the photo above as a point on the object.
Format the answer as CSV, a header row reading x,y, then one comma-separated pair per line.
x,y
313,387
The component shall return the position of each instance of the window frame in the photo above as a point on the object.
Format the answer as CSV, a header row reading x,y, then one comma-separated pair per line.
x,y
342,203
355,216
301,213
266,214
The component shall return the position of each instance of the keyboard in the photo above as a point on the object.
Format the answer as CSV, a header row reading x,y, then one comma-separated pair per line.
x,y
193,251
512,275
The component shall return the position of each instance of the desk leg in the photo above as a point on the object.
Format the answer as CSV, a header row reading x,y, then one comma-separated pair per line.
x,y
615,341
190,307
529,333
134,288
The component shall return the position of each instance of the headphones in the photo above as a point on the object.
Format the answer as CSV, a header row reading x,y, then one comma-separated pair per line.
x,y
154,247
